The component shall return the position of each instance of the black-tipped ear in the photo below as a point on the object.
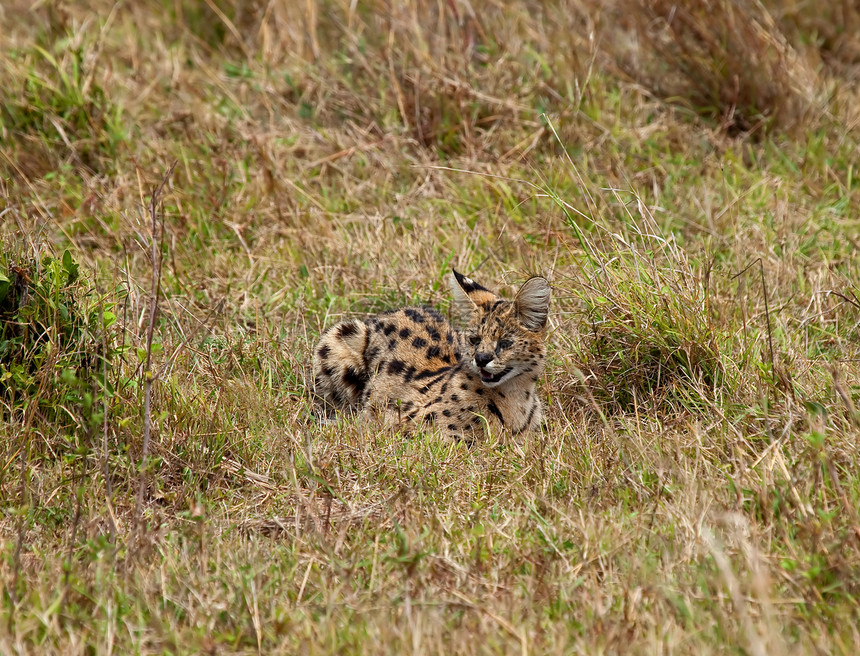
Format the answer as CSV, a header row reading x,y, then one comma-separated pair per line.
x,y
467,284
460,287
469,295
532,303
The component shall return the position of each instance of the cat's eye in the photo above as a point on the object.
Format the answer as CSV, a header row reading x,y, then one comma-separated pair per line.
x,y
474,340
504,344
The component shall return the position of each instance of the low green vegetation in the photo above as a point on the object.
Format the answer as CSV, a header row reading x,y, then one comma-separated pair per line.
x,y
683,173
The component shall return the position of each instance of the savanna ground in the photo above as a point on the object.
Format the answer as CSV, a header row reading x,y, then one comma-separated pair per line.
x,y
684,174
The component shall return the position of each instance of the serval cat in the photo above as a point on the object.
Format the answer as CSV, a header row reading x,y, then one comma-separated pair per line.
x,y
414,367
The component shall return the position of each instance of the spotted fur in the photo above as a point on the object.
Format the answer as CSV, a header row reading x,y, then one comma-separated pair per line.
x,y
411,365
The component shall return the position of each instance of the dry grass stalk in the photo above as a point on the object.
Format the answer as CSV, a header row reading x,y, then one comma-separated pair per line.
x,y
156,238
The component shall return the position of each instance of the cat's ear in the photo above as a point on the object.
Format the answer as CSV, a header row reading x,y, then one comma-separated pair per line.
x,y
532,303
468,295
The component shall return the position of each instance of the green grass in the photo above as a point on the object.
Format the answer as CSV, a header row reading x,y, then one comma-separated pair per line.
x,y
695,487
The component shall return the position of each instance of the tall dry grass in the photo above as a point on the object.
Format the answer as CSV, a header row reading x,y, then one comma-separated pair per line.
x,y
684,174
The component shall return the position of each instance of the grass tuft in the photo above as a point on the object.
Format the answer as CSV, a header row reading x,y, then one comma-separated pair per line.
x,y
57,348
61,114
636,344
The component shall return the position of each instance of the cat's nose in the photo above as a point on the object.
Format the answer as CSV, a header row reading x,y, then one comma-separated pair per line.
x,y
483,359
